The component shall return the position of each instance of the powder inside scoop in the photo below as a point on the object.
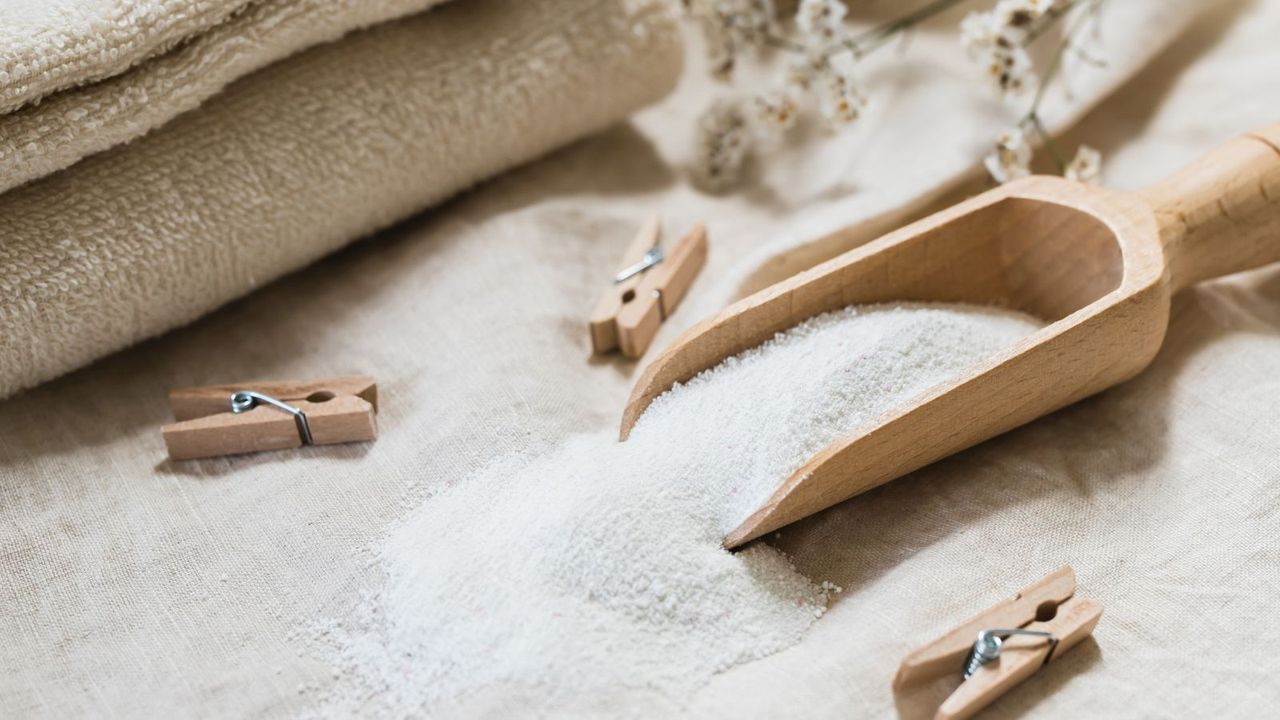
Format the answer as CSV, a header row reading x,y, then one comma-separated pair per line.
x,y
594,572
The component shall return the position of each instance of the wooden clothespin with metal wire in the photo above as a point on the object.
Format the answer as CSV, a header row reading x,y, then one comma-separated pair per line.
x,y
1005,644
646,290
248,417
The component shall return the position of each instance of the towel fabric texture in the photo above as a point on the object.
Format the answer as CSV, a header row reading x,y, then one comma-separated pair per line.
x,y
51,45
83,95
291,162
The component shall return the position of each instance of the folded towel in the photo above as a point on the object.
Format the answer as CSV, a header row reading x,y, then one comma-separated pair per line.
x,y
303,156
96,76
56,44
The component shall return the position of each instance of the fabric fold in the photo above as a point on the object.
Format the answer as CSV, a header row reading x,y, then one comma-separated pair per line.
x,y
104,109
300,158
51,45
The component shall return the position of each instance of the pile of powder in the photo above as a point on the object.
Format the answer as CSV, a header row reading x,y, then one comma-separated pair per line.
x,y
592,576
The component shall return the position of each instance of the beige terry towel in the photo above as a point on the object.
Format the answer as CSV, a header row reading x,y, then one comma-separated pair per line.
x,y
50,45
300,158
106,72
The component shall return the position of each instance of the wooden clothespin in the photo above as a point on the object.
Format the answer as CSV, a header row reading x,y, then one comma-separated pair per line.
x,y
1004,645
248,417
646,290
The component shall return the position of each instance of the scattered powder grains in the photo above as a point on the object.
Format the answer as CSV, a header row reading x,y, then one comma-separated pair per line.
x,y
582,579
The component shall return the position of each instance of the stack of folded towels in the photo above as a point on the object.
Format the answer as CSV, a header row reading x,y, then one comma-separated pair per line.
x,y
159,158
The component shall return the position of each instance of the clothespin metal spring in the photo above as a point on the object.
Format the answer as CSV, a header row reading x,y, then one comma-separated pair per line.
x,y
989,643
652,257
246,400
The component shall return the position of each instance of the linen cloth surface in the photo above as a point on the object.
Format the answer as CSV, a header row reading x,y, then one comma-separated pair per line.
x,y
136,586
301,158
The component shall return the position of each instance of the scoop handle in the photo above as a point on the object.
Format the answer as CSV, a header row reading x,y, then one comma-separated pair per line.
x,y
1221,214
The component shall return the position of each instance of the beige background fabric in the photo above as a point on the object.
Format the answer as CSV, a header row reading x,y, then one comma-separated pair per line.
x,y
61,128
304,157
140,587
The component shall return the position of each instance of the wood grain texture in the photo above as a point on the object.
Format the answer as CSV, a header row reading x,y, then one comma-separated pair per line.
x,y
194,402
1047,605
338,410
603,322
660,292
1021,657
948,652
1221,214
627,316
1098,266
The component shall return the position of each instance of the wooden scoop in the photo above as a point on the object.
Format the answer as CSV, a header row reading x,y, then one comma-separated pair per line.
x,y
1098,265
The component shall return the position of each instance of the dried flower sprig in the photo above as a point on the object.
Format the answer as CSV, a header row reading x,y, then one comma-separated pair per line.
x,y
819,73
731,28
723,142
1000,38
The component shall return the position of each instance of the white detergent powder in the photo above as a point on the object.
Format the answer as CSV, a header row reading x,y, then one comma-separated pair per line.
x,y
583,579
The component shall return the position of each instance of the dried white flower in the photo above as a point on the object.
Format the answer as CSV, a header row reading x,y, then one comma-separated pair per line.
x,y
1017,16
775,111
839,99
1086,166
722,53
1009,70
821,22
998,38
802,72
724,140
754,21
979,33
1012,157
731,27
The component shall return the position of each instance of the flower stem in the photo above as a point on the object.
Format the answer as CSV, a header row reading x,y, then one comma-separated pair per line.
x,y
870,40
1033,117
1046,140
1048,20
867,42
783,43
